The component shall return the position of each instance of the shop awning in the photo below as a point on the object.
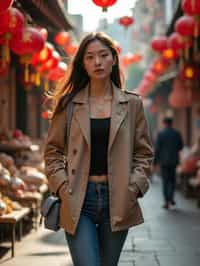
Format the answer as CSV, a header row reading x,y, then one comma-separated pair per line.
x,y
47,13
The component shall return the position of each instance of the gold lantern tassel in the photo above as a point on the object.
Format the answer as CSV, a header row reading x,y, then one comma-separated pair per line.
x,y
46,85
37,79
26,73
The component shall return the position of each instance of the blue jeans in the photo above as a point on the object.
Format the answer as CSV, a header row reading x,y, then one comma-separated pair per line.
x,y
94,243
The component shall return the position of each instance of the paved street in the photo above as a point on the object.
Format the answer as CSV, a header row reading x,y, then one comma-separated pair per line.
x,y
168,238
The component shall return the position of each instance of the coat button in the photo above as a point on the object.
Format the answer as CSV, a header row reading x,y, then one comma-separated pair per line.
x,y
74,151
70,191
73,171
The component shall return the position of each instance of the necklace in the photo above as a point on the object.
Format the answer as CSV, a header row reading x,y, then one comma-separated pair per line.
x,y
98,102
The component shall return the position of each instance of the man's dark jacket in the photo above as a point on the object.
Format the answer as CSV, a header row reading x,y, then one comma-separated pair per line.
x,y
168,145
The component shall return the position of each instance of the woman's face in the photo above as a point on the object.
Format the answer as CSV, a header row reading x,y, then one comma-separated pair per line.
x,y
98,60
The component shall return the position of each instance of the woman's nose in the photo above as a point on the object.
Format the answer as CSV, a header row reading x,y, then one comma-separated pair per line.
x,y
97,60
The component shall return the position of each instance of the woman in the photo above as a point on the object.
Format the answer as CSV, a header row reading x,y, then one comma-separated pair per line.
x,y
109,155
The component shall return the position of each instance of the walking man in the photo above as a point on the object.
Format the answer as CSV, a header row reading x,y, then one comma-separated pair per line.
x,y
168,145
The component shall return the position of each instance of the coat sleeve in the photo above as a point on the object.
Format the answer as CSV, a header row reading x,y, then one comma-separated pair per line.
x,y
142,156
54,157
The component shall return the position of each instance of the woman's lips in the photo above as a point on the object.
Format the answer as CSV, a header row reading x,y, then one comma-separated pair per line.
x,y
98,70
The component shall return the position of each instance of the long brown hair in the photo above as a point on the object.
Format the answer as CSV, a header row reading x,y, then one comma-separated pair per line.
x,y
77,78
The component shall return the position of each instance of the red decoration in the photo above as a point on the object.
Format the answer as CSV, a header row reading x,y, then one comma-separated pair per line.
x,y
12,21
191,7
130,58
62,38
31,42
185,25
104,3
5,4
71,49
176,41
46,114
43,32
58,72
126,21
44,55
158,66
159,44
51,63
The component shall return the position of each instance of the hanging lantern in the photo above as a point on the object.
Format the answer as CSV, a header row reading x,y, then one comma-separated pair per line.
x,y
58,72
71,49
126,21
62,38
44,55
191,7
12,23
159,44
5,4
31,42
104,3
51,63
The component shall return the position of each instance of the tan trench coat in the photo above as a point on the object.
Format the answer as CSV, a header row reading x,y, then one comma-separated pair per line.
x,y
129,160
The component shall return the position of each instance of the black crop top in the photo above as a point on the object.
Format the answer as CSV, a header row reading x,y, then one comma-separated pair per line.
x,y
99,145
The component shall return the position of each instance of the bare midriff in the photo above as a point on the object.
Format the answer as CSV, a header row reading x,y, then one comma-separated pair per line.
x,y
98,178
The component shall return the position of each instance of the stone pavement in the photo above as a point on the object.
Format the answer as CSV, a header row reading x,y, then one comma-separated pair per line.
x,y
167,238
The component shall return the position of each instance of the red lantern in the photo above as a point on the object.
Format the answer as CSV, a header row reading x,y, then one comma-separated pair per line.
x,y
51,63
191,7
58,72
43,56
126,21
159,44
176,41
185,25
31,42
71,49
12,21
62,38
5,4
104,3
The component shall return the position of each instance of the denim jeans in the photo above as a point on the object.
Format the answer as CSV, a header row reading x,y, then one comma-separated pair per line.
x,y
94,244
169,182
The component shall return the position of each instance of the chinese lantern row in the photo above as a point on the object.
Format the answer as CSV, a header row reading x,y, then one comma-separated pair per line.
x,y
29,43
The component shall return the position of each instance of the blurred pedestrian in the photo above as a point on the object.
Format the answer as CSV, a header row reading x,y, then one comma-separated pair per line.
x,y
109,155
168,145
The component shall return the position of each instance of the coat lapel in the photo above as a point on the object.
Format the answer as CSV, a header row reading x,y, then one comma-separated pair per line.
x,y
81,113
118,114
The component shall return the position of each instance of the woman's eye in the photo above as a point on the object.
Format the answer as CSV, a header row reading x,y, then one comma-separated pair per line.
x,y
89,57
104,55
